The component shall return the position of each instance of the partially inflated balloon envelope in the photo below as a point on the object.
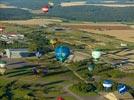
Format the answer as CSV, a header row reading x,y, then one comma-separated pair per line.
x,y
62,52
96,54
122,88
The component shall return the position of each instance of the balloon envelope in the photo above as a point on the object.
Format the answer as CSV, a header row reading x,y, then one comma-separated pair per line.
x,y
60,98
122,88
38,54
91,67
62,52
96,54
45,8
53,41
2,63
107,83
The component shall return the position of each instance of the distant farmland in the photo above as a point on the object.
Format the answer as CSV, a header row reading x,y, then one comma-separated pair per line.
x,y
119,31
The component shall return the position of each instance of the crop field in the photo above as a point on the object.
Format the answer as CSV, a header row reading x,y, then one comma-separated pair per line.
x,y
122,32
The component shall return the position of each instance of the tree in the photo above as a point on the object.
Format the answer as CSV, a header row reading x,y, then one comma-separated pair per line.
x,y
38,40
32,47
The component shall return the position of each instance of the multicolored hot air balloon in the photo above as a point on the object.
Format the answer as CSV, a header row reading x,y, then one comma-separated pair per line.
x,y
122,88
107,84
45,9
62,52
96,54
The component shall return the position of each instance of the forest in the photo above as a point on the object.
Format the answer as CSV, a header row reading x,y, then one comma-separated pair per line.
x,y
91,13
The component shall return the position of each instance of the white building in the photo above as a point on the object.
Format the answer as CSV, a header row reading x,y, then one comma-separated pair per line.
x,y
17,53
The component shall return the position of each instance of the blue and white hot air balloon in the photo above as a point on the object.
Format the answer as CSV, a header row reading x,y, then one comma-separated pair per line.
x,y
107,84
96,54
62,52
122,88
38,54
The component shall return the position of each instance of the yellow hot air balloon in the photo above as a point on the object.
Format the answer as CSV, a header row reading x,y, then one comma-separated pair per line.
x,y
53,42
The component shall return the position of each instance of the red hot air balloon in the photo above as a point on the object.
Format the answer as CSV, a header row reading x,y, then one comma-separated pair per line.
x,y
60,98
45,8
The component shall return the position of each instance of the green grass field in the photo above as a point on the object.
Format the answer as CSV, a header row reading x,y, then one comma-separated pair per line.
x,y
21,84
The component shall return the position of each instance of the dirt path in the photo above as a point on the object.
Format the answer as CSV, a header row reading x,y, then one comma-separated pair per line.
x,y
66,88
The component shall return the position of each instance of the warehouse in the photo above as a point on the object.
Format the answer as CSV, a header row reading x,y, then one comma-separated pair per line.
x,y
17,53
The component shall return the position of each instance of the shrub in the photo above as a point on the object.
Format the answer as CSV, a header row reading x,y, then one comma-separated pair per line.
x,y
83,87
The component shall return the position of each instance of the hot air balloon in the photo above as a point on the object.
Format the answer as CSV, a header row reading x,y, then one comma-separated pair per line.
x,y
38,54
60,98
2,63
2,29
51,4
96,54
53,42
3,67
122,88
91,66
62,52
45,9
107,84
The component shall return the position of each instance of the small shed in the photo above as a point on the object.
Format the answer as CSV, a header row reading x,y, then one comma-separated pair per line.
x,y
17,53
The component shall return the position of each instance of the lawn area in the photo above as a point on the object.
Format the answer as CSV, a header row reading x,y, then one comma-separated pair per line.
x,y
21,83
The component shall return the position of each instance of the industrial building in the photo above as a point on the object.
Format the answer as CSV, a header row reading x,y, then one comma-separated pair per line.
x,y
17,53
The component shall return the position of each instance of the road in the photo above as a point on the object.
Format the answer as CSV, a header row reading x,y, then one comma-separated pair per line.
x,y
66,88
